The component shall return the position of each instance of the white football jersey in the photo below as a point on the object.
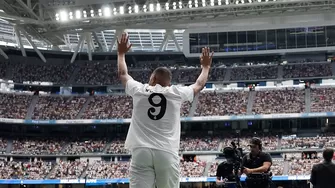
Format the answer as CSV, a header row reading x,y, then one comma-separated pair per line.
x,y
155,121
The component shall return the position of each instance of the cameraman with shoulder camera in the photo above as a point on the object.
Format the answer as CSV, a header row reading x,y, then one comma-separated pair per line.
x,y
256,165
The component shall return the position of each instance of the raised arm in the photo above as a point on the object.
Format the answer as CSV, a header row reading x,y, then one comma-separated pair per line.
x,y
206,62
122,48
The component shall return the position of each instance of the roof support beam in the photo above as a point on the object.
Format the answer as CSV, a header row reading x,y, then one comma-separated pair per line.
x,y
29,3
3,54
89,45
105,42
165,41
40,11
19,41
30,11
33,45
169,35
173,37
102,49
80,42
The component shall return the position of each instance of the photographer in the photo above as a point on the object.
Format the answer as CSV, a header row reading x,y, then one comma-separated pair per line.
x,y
256,165
225,174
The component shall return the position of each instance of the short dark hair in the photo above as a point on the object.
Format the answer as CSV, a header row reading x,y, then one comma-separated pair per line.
x,y
256,141
328,154
164,74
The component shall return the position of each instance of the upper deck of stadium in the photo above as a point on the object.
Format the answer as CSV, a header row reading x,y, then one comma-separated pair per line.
x,y
92,27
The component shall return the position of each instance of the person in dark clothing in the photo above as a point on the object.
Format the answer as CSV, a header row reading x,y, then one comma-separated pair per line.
x,y
323,174
257,162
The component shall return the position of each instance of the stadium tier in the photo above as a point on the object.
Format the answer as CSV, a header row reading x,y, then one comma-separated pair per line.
x,y
36,165
259,104
104,72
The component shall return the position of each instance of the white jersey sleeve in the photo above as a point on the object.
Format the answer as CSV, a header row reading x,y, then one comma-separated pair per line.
x,y
186,93
133,86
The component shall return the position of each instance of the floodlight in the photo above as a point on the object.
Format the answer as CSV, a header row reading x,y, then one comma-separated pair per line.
x,y
63,16
158,7
107,12
136,8
121,10
167,6
151,7
78,14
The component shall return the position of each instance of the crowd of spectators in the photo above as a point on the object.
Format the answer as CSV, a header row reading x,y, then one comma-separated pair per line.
x,y
117,147
213,168
307,142
69,169
58,107
221,104
192,168
56,73
46,146
277,167
279,101
108,170
105,72
199,143
109,107
254,73
37,146
24,170
300,166
95,73
85,146
3,68
307,70
14,106
322,100
3,145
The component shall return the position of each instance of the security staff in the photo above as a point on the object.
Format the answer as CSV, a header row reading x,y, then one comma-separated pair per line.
x,y
257,162
323,174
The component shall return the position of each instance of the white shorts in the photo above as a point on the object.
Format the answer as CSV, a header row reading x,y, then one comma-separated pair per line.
x,y
150,167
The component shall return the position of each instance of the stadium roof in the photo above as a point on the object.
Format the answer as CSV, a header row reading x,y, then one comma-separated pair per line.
x,y
60,24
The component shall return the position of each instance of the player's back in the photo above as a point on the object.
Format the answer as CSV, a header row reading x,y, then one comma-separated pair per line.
x,y
156,117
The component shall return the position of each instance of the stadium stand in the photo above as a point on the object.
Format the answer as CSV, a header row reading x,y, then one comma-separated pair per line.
x,y
199,143
69,169
38,146
58,73
58,107
322,100
220,104
279,101
85,146
24,170
254,73
105,107
10,100
108,170
307,70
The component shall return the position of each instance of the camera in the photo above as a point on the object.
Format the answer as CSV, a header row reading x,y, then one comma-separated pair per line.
x,y
230,168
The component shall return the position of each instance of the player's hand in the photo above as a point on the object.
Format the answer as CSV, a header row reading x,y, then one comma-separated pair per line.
x,y
247,171
123,44
206,57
